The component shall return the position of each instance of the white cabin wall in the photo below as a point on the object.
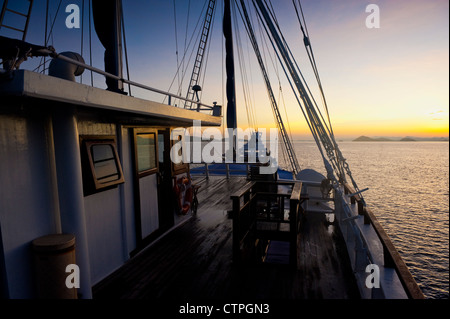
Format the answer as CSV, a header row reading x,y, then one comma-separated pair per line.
x,y
25,196
104,217
104,229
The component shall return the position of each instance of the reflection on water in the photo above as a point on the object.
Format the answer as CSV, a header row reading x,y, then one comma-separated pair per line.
x,y
409,193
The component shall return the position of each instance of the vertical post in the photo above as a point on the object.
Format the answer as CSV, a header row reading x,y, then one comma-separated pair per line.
x,y
366,216
229,61
388,260
360,207
236,230
70,190
293,233
294,207
53,175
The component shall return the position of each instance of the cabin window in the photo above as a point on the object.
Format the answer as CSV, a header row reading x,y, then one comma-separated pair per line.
x,y
105,166
181,167
101,165
146,152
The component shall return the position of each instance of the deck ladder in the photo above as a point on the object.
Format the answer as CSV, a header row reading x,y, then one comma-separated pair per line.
x,y
5,9
200,53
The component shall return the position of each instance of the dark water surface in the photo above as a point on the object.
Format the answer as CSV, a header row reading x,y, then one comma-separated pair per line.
x,y
409,193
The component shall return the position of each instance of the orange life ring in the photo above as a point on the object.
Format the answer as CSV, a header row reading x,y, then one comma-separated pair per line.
x,y
183,191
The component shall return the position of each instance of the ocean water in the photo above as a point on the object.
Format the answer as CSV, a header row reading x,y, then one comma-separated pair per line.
x,y
409,193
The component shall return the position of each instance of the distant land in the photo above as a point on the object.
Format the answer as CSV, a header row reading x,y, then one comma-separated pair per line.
x,y
363,138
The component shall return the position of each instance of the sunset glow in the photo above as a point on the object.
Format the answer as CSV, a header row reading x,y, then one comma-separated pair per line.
x,y
386,81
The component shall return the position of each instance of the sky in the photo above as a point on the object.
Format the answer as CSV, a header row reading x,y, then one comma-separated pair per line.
x,y
387,81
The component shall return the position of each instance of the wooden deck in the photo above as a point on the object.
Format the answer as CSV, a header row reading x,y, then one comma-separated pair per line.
x,y
194,261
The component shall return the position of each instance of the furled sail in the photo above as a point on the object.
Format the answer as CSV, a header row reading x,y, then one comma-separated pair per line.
x,y
230,86
107,22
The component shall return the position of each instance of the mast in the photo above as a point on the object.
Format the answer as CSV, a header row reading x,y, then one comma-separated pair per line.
x,y
229,63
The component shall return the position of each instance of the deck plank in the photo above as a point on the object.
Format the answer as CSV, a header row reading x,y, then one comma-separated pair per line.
x,y
194,261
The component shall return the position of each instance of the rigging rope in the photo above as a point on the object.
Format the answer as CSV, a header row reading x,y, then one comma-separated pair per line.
x,y
244,75
176,42
282,131
90,43
82,33
333,148
322,134
47,36
180,65
187,25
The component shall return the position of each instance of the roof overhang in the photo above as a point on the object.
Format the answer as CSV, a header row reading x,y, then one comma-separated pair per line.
x,y
25,83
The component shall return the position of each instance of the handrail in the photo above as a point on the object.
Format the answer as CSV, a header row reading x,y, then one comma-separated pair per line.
x,y
115,77
392,258
219,171
245,189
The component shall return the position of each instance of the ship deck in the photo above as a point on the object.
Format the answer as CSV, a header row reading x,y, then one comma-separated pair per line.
x,y
194,260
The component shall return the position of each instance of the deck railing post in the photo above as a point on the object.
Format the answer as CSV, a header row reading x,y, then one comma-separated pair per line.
x,y
293,233
294,207
388,260
366,217
236,230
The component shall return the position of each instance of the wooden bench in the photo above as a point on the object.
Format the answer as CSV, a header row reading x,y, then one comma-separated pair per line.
x,y
248,218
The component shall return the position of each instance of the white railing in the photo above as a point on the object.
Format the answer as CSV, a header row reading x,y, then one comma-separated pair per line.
x,y
216,109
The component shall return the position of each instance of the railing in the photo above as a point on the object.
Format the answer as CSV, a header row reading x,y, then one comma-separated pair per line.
x,y
248,218
216,109
391,256
251,170
205,169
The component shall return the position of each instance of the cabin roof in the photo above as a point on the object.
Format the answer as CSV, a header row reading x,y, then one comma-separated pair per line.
x,y
35,85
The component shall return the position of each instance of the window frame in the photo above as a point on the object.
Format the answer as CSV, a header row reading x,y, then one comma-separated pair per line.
x,y
179,168
91,183
154,170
